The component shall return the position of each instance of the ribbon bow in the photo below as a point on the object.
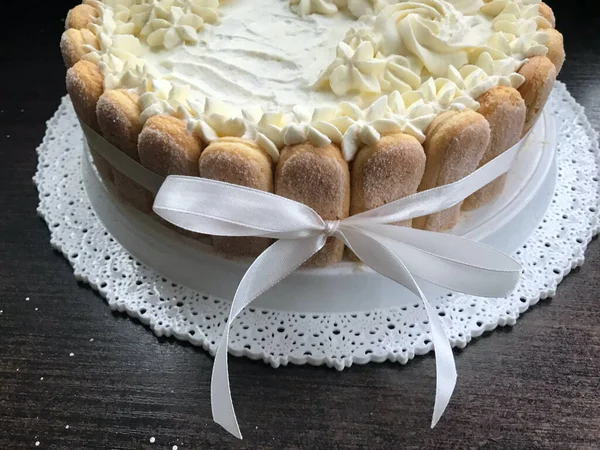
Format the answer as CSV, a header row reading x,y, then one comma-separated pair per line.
x,y
400,253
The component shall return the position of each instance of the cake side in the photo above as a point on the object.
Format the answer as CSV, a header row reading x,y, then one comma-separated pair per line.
x,y
125,108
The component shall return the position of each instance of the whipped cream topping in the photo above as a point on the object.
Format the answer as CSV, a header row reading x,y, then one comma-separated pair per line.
x,y
327,71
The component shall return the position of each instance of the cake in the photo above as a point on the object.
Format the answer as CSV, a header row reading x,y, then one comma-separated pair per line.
x,y
344,105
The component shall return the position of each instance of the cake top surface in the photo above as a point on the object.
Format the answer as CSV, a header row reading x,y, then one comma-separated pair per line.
x,y
283,71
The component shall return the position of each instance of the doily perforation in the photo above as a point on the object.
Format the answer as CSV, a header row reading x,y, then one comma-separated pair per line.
x,y
336,340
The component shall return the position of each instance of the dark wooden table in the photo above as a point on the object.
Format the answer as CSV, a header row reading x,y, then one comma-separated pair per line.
x,y
533,386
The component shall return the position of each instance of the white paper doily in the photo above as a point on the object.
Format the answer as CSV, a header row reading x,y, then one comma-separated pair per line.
x,y
338,340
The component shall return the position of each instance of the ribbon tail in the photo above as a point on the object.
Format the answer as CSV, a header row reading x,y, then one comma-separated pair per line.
x,y
272,266
445,368
376,255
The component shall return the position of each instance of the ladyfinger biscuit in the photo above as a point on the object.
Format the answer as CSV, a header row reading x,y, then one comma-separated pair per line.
x,y
118,115
388,170
85,85
547,13
166,147
540,75
119,120
504,109
454,145
73,45
81,17
556,48
318,177
238,161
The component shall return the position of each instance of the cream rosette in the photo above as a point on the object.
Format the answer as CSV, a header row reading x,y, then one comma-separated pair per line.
x,y
432,30
355,70
476,79
215,120
266,129
517,33
528,8
443,95
160,97
358,69
172,27
116,53
134,76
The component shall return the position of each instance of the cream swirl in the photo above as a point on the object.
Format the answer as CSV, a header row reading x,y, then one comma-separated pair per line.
x,y
173,29
432,30
116,53
412,118
216,120
266,128
354,70
207,9
134,75
475,79
443,94
357,35
529,7
516,33
401,74
162,98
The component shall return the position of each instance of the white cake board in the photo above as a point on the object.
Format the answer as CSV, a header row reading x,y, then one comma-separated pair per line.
x,y
346,287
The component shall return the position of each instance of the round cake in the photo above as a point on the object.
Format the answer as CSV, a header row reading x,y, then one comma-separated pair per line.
x,y
343,105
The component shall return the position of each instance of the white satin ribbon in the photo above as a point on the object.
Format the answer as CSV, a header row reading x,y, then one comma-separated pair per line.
x,y
121,161
400,253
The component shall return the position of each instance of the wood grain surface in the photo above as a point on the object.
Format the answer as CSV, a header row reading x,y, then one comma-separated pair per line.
x,y
533,386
